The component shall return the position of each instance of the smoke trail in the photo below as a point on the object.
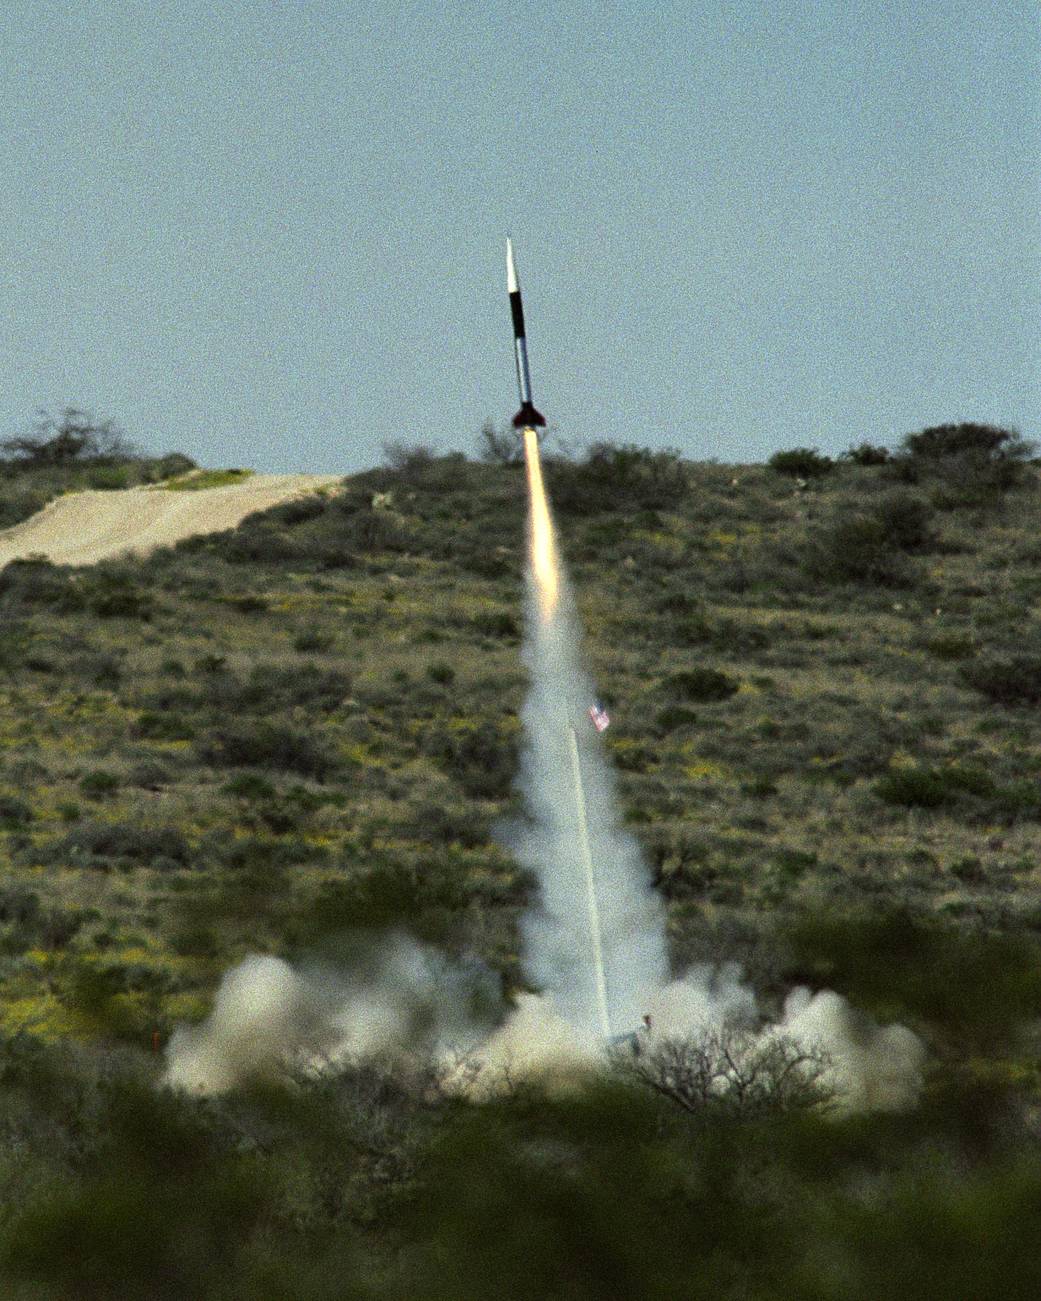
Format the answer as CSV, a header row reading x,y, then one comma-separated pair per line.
x,y
560,939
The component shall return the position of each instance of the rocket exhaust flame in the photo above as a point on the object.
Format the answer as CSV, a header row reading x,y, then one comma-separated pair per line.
x,y
542,541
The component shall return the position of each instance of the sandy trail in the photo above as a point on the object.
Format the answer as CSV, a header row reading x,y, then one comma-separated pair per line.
x,y
82,528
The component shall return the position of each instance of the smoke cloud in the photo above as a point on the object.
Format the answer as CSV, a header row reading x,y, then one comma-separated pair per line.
x,y
399,1001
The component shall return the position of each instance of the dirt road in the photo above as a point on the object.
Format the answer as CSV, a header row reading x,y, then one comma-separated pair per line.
x,y
84,527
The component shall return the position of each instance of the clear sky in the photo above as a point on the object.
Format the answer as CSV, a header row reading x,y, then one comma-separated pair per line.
x,y
271,233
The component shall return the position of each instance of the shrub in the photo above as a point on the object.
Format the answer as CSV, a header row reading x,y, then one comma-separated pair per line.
x,y
313,641
479,758
14,813
701,684
149,776
96,785
112,592
968,464
104,843
108,478
867,454
972,787
1015,681
498,624
36,582
163,725
919,788
500,446
29,923
72,436
868,547
986,442
950,646
614,477
250,786
100,669
172,465
273,688
674,716
437,824
267,745
801,463
905,517
734,1071
405,457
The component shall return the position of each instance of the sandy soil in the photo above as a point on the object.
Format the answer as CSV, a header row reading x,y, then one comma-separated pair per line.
x,y
84,527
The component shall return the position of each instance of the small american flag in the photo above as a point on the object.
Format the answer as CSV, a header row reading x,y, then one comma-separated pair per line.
x,y
599,716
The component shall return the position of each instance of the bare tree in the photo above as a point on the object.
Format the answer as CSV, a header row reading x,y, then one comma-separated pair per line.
x,y
732,1070
501,446
74,435
399,455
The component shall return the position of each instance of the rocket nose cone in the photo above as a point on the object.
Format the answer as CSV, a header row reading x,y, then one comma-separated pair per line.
x,y
511,268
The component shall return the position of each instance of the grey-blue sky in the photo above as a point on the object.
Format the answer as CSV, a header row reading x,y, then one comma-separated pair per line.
x,y
272,233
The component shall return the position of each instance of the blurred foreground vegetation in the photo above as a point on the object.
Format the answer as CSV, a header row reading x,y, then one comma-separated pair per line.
x,y
823,686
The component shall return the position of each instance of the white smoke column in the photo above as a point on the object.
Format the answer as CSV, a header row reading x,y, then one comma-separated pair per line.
x,y
560,946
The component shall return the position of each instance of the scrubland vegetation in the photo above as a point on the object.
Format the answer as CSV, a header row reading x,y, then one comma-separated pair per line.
x,y
823,679
72,451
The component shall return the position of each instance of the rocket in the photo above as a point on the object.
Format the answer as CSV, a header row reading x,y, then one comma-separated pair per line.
x,y
527,417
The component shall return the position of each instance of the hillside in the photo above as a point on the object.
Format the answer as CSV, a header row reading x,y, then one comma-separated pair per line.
x,y
303,730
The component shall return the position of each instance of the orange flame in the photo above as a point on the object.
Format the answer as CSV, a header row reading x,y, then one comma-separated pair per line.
x,y
543,543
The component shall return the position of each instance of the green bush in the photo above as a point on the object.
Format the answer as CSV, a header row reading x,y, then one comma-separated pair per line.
x,y
112,591
966,464
479,758
905,517
625,477
1014,681
108,478
867,454
250,786
163,725
701,684
267,745
96,785
96,844
950,646
674,716
25,584
859,546
312,641
14,813
28,923
497,624
272,688
801,463
172,465
958,784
